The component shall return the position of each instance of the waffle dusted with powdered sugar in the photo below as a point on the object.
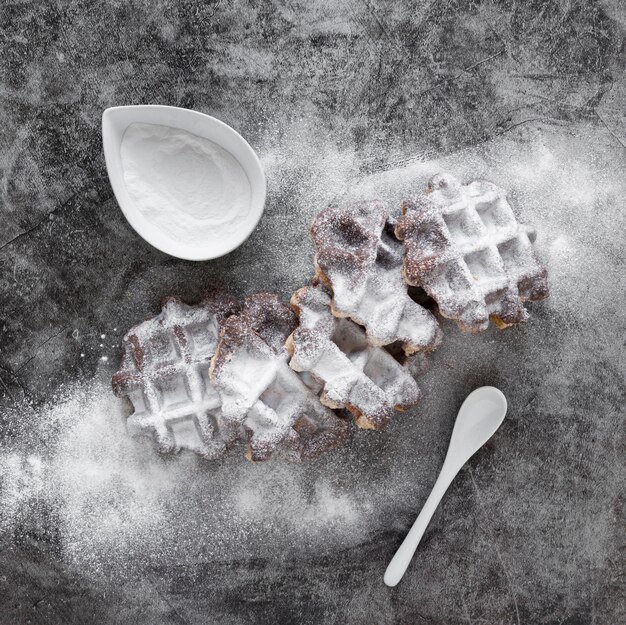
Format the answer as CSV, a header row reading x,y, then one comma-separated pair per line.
x,y
363,378
360,260
164,375
279,413
466,249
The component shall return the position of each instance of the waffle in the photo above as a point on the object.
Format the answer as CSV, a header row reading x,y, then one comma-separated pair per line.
x,y
164,376
465,248
262,394
364,379
360,260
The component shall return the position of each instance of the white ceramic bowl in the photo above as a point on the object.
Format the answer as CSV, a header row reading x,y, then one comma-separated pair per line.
x,y
116,120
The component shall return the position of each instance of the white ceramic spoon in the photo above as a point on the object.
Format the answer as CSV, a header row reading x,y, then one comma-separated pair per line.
x,y
480,416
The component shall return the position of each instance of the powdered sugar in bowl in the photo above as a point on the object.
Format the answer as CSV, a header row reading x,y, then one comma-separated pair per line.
x,y
189,184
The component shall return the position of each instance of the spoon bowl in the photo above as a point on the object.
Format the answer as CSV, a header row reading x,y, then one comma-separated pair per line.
x,y
480,415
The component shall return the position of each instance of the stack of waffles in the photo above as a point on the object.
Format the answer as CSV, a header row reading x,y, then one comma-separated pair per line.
x,y
287,380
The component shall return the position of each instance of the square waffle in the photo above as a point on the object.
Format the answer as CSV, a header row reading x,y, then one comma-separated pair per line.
x,y
466,249
164,376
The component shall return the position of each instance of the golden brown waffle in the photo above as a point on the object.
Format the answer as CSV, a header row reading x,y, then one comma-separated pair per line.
x,y
465,248
164,375
360,260
259,391
360,377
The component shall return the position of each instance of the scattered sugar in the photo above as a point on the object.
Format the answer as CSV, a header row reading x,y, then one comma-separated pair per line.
x,y
22,481
113,500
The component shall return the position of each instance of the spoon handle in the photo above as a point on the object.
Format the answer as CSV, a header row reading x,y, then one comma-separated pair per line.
x,y
402,557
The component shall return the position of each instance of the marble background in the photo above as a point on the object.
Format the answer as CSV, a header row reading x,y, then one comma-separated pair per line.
x,y
359,98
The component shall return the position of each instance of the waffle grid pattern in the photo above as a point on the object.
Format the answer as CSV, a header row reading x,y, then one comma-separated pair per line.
x,y
465,247
360,377
165,376
278,411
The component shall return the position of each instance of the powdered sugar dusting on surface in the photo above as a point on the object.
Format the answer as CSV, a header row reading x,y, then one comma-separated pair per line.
x,y
112,500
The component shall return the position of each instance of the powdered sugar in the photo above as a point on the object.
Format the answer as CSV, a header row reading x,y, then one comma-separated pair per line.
x,y
109,501
189,187
22,481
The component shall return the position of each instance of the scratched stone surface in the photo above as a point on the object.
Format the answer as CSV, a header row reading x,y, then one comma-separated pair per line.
x,y
362,98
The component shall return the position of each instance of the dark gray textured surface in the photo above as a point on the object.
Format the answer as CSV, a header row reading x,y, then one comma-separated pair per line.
x,y
339,99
